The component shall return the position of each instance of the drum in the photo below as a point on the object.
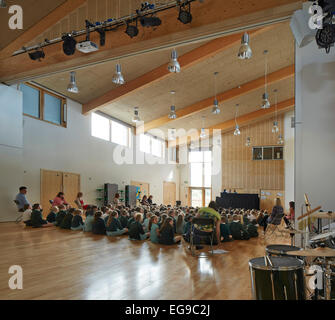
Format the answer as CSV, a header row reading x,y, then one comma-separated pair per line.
x,y
280,249
284,280
324,239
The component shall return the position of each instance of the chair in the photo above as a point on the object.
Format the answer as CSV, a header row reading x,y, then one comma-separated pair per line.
x,y
51,202
274,225
19,218
202,222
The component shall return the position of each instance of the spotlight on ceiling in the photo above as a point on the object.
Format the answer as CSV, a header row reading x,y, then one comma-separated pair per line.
x,y
150,22
172,114
174,65
72,87
118,77
136,117
185,15
69,45
132,30
37,55
237,131
265,103
245,51
216,109
3,4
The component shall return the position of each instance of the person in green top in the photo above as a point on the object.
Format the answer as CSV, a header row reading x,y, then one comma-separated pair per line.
x,y
211,213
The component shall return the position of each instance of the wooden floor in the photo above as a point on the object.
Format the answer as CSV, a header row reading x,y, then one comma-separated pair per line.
x,y
61,264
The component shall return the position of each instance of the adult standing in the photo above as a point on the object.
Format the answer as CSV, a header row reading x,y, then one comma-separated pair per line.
x,y
60,199
21,199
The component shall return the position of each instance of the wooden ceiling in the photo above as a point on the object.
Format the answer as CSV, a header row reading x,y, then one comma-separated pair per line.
x,y
193,85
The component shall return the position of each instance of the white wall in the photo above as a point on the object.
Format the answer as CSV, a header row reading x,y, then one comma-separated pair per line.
x,y
289,158
10,150
71,149
315,128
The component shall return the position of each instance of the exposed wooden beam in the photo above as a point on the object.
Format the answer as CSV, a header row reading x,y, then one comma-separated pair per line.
x,y
210,17
189,59
244,120
234,93
33,32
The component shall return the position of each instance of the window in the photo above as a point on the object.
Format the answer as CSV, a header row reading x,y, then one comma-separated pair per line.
x,y
152,145
43,105
105,128
268,153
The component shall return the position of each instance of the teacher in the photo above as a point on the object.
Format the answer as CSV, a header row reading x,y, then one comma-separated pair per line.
x,y
59,200
21,199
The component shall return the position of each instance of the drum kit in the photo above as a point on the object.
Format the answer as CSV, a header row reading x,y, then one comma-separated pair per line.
x,y
288,272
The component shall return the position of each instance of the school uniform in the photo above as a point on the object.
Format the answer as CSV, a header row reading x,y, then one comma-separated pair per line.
x,y
153,233
66,223
246,220
252,230
77,223
98,227
180,228
124,221
224,232
88,223
130,221
26,217
36,219
166,236
60,216
146,225
136,231
51,217
115,228
238,231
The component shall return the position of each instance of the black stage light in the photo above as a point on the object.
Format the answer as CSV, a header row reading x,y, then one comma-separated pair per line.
x,y
185,15
69,45
132,31
325,37
37,55
150,21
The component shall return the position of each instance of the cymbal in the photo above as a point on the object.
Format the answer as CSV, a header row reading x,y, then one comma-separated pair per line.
x,y
324,215
317,252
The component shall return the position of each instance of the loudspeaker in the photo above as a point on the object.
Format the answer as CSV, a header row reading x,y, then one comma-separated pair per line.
x,y
109,192
131,195
303,34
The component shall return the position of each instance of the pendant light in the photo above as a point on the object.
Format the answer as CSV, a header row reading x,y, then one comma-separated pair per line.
x,y
118,77
172,114
237,131
174,65
72,87
265,98
215,109
203,131
136,117
275,128
245,51
280,140
248,140
3,4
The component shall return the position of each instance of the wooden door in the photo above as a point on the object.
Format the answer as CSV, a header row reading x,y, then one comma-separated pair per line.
x,y
51,184
144,188
169,193
71,187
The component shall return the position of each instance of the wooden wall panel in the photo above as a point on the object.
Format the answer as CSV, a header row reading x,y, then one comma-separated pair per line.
x,y
239,171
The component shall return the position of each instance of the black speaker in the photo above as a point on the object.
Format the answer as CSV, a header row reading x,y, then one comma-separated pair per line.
x,y
109,192
131,195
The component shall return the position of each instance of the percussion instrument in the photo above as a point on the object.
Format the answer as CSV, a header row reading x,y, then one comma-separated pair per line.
x,y
277,278
280,249
317,252
324,215
323,239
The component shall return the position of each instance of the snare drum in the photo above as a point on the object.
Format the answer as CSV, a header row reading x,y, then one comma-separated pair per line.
x,y
324,239
280,250
282,281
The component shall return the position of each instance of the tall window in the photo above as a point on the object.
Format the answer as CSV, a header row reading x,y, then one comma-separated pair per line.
x,y
152,145
43,105
200,178
109,130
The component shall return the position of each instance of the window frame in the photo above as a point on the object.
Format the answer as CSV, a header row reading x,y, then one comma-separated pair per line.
x,y
150,151
63,112
203,165
273,153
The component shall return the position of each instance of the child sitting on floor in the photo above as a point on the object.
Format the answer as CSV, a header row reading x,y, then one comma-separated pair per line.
x,y
166,233
26,216
180,224
225,234
36,217
98,225
77,223
252,229
237,230
66,223
52,215
113,225
60,215
123,218
136,231
146,222
154,229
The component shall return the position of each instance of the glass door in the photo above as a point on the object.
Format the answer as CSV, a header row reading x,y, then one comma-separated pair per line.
x,y
196,198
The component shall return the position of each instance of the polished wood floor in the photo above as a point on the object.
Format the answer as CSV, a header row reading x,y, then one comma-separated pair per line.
x,y
61,264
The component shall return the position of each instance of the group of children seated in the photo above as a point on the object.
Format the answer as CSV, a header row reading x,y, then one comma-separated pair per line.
x,y
161,224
